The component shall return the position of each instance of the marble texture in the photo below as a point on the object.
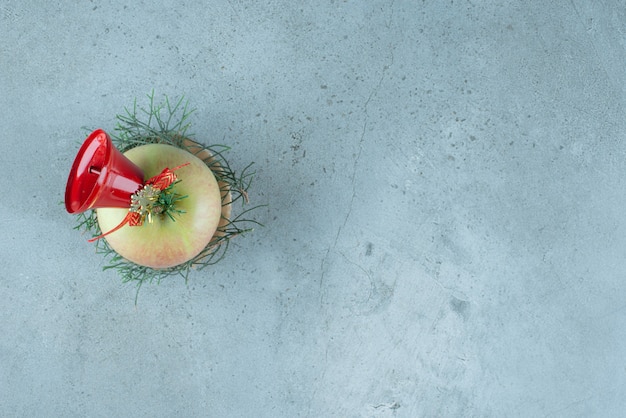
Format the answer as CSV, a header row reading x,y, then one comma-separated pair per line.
x,y
444,231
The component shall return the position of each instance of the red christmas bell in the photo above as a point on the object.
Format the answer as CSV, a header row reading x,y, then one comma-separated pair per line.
x,y
101,176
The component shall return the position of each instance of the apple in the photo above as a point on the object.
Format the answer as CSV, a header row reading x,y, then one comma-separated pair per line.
x,y
165,242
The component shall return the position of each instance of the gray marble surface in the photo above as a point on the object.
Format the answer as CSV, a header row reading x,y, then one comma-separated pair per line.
x,y
444,232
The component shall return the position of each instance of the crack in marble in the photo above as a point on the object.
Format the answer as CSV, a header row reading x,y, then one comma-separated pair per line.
x,y
355,165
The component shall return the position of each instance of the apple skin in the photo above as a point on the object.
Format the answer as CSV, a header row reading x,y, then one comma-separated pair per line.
x,y
165,243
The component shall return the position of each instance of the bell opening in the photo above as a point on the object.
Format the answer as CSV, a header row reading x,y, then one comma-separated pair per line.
x,y
100,176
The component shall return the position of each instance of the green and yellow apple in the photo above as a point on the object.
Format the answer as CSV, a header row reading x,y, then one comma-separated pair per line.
x,y
165,242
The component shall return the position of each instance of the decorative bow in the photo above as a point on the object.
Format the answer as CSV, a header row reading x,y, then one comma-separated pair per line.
x,y
144,202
